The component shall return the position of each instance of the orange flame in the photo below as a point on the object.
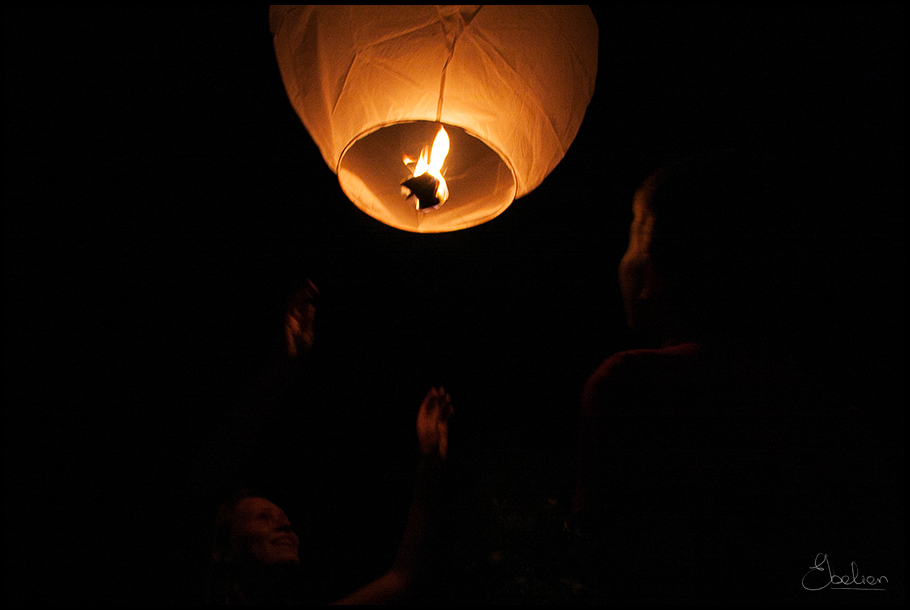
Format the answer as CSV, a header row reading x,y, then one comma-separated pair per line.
x,y
431,162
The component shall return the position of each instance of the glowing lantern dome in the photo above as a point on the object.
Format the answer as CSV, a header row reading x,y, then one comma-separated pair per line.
x,y
378,86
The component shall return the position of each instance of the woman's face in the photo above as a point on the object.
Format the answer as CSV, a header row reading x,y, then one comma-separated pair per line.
x,y
262,533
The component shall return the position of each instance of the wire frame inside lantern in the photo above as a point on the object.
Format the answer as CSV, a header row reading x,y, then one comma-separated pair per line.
x,y
481,183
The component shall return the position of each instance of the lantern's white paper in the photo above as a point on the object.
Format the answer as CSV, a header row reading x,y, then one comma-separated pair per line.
x,y
373,83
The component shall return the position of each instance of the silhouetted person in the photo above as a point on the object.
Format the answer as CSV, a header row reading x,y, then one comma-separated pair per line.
x,y
256,551
705,462
292,436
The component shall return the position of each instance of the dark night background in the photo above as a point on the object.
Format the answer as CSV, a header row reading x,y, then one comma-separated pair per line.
x,y
163,199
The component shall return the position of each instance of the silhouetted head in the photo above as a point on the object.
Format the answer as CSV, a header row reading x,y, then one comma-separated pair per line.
x,y
704,249
252,530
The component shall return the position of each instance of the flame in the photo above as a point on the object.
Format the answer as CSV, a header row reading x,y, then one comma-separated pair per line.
x,y
431,162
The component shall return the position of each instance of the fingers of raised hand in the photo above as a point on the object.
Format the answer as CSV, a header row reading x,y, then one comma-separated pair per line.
x,y
432,421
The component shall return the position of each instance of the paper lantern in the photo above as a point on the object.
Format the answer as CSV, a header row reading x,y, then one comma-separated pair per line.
x,y
375,84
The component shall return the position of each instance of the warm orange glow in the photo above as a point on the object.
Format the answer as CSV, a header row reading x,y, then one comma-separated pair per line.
x,y
430,162
509,82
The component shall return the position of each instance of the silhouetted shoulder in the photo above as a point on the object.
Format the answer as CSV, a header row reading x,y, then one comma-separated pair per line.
x,y
634,367
647,380
688,400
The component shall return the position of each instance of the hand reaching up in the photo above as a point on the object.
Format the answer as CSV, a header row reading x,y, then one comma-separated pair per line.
x,y
433,423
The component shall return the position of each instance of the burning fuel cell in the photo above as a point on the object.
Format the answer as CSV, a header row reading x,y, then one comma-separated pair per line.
x,y
423,188
426,184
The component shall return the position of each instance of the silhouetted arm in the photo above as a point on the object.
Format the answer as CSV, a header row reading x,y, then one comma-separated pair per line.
x,y
416,553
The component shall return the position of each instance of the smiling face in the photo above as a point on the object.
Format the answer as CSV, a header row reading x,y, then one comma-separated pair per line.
x,y
261,533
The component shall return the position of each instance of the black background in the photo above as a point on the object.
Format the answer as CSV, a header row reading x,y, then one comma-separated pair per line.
x,y
163,199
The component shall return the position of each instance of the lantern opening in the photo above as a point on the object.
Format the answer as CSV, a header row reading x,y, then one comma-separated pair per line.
x,y
480,184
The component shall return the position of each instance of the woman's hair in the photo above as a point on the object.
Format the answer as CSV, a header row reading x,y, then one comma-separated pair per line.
x,y
224,523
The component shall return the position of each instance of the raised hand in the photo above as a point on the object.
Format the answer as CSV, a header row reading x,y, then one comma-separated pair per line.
x,y
433,423
300,318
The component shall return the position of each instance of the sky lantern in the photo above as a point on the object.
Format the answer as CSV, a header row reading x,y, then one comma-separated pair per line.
x,y
436,118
